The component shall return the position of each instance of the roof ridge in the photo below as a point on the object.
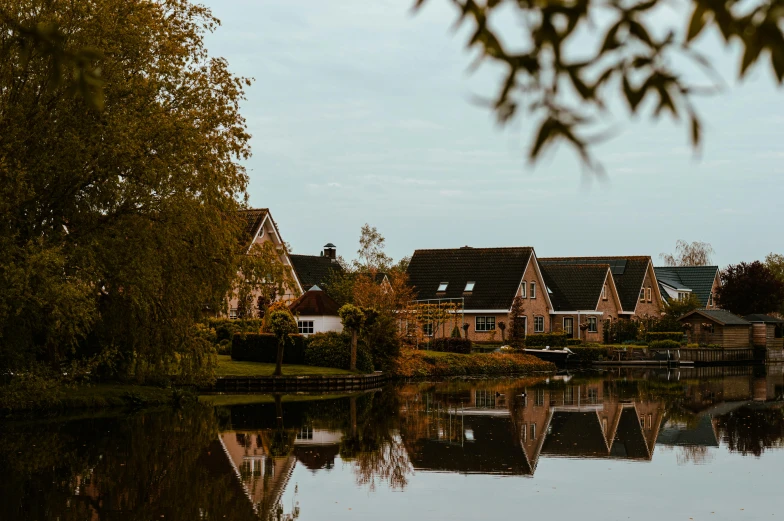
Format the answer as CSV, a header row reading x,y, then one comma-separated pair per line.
x,y
597,257
682,267
253,210
471,248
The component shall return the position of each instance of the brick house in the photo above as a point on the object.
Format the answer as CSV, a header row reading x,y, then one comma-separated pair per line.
x,y
582,295
678,282
634,278
485,281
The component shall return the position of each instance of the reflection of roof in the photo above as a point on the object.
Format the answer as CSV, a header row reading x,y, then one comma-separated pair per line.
x,y
703,434
314,270
699,279
720,316
575,434
317,457
314,302
496,272
767,319
629,440
575,286
628,274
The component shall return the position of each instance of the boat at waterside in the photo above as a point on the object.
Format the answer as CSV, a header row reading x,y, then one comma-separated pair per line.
x,y
556,356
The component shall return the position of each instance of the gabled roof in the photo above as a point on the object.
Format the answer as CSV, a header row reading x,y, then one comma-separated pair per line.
x,y
575,287
699,279
254,218
766,319
314,302
720,316
313,270
628,274
496,272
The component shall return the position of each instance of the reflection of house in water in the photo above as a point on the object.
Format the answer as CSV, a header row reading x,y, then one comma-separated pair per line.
x,y
317,448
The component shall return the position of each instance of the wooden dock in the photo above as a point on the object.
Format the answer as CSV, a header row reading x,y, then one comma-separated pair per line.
x,y
293,384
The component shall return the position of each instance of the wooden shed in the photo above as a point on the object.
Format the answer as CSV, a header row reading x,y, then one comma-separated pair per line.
x,y
766,331
718,327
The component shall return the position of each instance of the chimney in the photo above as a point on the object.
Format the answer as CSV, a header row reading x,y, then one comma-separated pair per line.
x,y
330,251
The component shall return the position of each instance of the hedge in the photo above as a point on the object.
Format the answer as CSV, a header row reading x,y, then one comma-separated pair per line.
x,y
546,339
334,350
663,345
450,345
652,336
573,342
263,347
590,354
226,328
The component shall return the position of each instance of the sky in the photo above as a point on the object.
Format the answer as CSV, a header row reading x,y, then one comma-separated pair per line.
x,y
362,112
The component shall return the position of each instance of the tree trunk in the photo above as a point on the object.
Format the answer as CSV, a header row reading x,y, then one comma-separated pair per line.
x,y
279,361
353,351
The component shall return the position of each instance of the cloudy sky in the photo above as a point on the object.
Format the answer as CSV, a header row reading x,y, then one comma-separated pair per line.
x,y
362,112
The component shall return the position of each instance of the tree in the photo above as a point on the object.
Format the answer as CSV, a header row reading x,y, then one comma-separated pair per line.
x,y
352,318
281,324
689,254
676,308
775,263
127,214
371,251
748,288
574,54
516,324
502,327
261,277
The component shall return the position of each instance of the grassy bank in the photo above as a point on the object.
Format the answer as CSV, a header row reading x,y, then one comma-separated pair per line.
x,y
412,364
229,367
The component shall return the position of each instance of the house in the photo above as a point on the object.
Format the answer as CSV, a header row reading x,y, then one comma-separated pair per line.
x,y
316,312
678,282
317,270
260,228
483,282
767,331
635,281
584,296
716,326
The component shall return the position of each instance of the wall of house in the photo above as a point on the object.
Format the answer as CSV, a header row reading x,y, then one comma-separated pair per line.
x,y
323,324
714,289
654,306
730,336
535,307
764,335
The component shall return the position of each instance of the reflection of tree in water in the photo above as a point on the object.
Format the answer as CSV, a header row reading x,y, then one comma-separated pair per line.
x,y
751,430
372,443
694,454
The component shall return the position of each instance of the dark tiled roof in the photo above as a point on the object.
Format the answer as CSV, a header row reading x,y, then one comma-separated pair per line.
x,y
719,316
253,218
314,302
767,319
575,434
628,274
699,279
496,272
313,270
575,287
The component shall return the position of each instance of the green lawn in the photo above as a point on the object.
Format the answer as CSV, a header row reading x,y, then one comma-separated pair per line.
x,y
228,367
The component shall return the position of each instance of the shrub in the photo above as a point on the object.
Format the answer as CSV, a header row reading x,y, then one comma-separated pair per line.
x,y
450,345
634,343
663,345
585,354
619,331
263,347
546,339
456,332
226,328
574,342
412,363
382,341
334,350
652,336
224,347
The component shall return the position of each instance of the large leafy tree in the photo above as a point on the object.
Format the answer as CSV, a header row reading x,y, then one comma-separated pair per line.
x,y
118,224
748,288
775,263
689,254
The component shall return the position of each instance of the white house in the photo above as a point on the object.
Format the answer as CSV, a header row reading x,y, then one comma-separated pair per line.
x,y
316,312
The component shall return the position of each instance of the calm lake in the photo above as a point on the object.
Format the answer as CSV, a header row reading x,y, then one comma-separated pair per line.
x,y
679,444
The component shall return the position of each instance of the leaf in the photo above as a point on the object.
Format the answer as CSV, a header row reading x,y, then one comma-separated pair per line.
x,y
697,23
696,131
753,49
637,29
542,137
610,41
777,60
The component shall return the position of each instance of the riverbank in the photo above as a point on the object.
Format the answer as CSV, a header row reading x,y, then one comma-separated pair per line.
x,y
228,367
418,364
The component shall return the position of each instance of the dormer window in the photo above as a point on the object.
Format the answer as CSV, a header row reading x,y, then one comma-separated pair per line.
x,y
442,287
469,286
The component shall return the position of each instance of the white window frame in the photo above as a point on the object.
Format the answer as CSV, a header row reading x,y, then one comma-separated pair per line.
x,y
710,300
536,319
442,287
571,319
306,327
642,295
485,327
233,313
469,287
593,325
522,289
604,292
427,329
649,294
533,290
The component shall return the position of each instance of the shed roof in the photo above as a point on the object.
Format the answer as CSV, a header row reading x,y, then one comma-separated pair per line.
x,y
720,316
767,319
575,286
496,272
699,279
628,274
314,302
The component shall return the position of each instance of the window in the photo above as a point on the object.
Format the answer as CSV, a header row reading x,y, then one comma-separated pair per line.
x,y
485,324
485,398
469,286
533,290
568,327
710,300
305,433
305,327
522,289
593,396
524,433
533,431
592,325
442,286
539,398
642,295
538,324
650,295
233,313
427,329
568,396
604,292
683,295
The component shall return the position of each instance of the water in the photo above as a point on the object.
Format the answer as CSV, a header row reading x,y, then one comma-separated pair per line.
x,y
690,444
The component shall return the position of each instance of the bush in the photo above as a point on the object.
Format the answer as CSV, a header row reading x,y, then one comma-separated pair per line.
x,y
620,331
652,336
263,347
381,339
334,350
546,339
450,345
413,363
634,343
226,328
585,354
663,345
574,342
